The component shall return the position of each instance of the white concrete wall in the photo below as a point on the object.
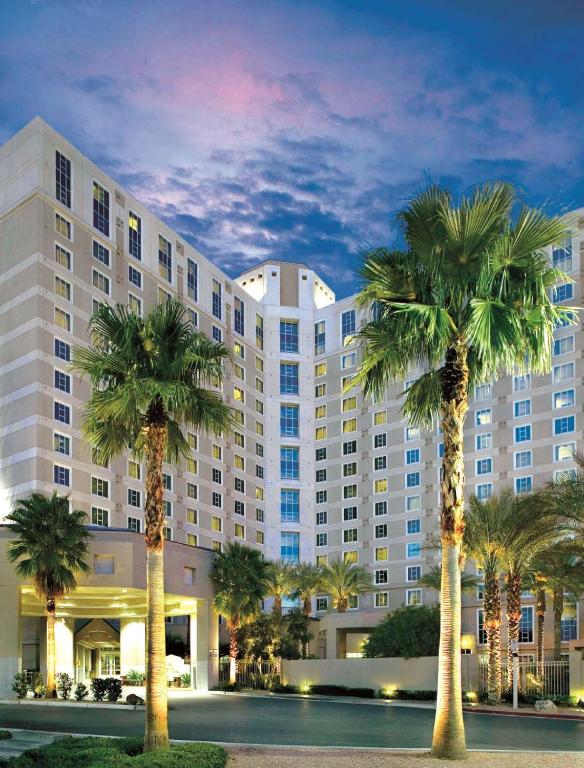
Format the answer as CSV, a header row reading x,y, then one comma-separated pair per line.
x,y
405,674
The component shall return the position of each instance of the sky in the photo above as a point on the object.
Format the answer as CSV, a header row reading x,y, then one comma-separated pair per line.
x,y
296,129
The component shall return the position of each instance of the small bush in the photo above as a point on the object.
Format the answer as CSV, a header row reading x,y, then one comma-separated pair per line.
x,y
404,695
134,677
64,685
328,690
20,685
117,753
362,693
4,735
285,689
113,688
39,688
81,692
185,680
98,688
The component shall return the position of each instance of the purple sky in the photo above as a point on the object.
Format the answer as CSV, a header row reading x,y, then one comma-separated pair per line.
x,y
295,130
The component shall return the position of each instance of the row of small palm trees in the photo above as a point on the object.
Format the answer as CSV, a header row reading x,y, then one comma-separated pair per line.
x,y
243,579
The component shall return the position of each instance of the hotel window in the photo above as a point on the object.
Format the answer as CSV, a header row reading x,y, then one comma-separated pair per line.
x,y
319,337
239,485
134,304
135,235
322,603
320,433
167,481
563,346
562,256
217,546
62,382
239,462
526,624
238,395
484,441
101,282
134,497
321,539
239,439
350,535
522,459
412,433
349,360
351,557
379,463
289,378
100,516
167,507
319,370
483,417
564,425
349,513
482,392
62,412
134,524
239,531
259,364
440,450
61,443
104,564
192,541
564,399
381,531
217,334
521,408
522,383
347,382
100,487
101,253
562,293
193,281
216,524
163,295
381,600
63,227
320,475
380,508
413,456
523,433
259,331
289,505
288,336
412,479
289,420
350,491
349,404
63,179
135,277
381,576
564,452
563,372
259,537
321,518
259,493
413,526
134,470
349,447
379,418
413,503
484,466
259,428
380,440
349,425
101,209
164,258
381,554
239,349
347,326
216,452
62,288
320,412
216,475
238,316
569,623
62,350
413,597
192,491
349,469
413,572
192,516
259,406
484,491
380,486
61,475
62,319
216,303
290,547
523,485
192,441
413,550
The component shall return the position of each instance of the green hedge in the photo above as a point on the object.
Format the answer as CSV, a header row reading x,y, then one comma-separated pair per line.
x,y
118,753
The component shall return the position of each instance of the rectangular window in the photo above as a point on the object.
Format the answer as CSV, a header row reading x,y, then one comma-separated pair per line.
x,y
413,572
100,516
216,301
135,277
101,253
134,304
562,293
564,346
413,503
380,486
320,390
522,383
134,524
351,556
289,420
349,513
61,443
62,350
167,507
135,235
165,258
349,447
289,463
101,209
288,336
413,526
381,576
320,412
321,518
381,599
290,547
192,491
413,549
412,433
381,554
521,408
238,316
63,179
349,469
522,459
289,378
350,491
239,531
412,479
62,382
320,433
259,331
563,372
134,498
62,288
484,466
62,413
319,370
523,485
569,623
321,539
348,361
483,417
413,456
379,463
319,338
484,442
62,319
349,404
564,452
134,470
349,425
350,535
347,326
564,424
380,440
61,475
216,524
320,475
100,487
380,508
381,531
523,433
564,399
562,256
483,392
526,624
289,505
101,282
484,491
322,603
217,334
379,418
413,597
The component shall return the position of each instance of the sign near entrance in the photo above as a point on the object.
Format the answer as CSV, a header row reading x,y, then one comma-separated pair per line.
x,y
213,653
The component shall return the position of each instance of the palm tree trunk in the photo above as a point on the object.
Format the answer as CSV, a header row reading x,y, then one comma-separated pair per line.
x,y
448,739
540,609
513,618
156,735
342,604
558,609
51,691
277,607
492,625
306,609
233,651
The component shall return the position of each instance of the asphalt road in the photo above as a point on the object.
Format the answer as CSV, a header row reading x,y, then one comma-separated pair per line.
x,y
243,719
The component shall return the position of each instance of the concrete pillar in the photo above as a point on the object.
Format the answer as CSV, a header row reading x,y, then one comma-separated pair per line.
x,y
204,647
64,657
10,639
132,645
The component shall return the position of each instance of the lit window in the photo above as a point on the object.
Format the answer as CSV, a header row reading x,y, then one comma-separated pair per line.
x,y
347,326
320,433
522,459
319,337
101,282
62,319
564,452
349,425
564,399
381,554
320,370
259,331
238,316
379,418
320,412
521,408
63,179
381,599
380,486
320,390
484,441
135,235
238,395
483,417
351,557
413,597
101,209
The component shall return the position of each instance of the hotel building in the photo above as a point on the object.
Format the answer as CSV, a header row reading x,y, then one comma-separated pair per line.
x,y
311,471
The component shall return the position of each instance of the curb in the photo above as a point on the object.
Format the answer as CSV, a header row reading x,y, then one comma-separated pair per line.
x,y
75,704
519,713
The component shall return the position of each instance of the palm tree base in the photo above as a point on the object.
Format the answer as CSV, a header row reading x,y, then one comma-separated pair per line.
x,y
155,741
448,752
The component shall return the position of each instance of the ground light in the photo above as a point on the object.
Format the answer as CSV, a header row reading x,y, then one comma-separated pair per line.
x,y
304,687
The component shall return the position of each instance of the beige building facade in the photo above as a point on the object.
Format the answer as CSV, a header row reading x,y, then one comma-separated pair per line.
x,y
311,471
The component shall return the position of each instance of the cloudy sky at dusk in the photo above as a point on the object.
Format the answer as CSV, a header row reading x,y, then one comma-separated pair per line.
x,y
295,130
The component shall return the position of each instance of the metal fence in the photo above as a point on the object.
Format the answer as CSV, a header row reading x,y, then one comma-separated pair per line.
x,y
555,681
261,675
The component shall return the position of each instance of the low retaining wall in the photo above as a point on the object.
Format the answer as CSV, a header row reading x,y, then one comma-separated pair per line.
x,y
405,674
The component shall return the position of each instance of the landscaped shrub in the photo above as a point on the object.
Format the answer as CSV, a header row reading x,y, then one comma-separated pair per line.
x,y
20,685
39,688
185,680
135,678
113,688
81,692
118,753
362,693
64,685
404,695
4,735
328,690
407,632
98,688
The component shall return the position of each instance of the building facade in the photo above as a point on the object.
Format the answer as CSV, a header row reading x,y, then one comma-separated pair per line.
x,y
312,470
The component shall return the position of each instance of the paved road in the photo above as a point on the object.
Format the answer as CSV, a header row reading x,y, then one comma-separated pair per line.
x,y
217,717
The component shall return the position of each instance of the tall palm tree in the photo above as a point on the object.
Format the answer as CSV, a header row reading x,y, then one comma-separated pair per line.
x,y
308,578
279,583
149,375
433,580
467,301
484,536
342,580
239,575
50,548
